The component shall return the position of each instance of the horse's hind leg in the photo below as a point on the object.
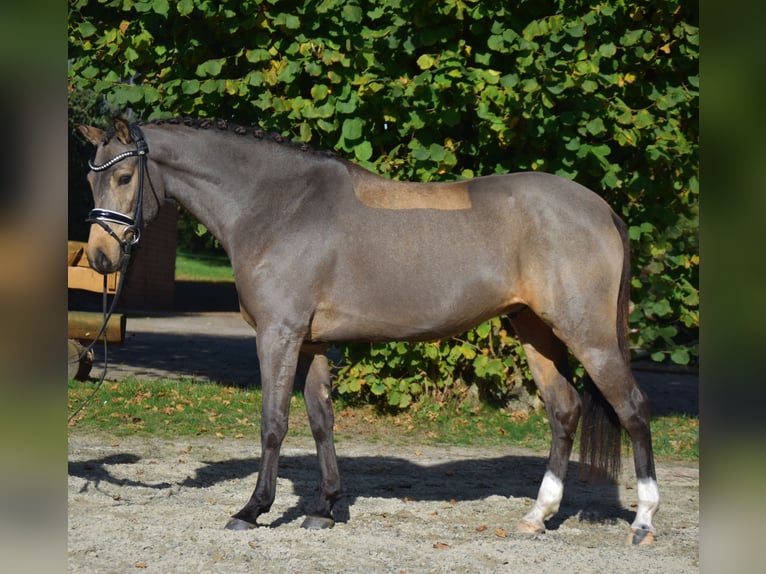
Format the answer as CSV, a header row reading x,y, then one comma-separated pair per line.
x,y
321,418
548,360
612,376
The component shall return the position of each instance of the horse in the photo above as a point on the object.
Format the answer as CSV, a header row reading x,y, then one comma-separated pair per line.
x,y
324,251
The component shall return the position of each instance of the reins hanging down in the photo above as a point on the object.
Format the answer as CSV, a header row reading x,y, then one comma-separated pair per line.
x,y
130,237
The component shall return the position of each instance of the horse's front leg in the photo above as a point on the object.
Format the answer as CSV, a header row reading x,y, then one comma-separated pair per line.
x,y
319,406
278,357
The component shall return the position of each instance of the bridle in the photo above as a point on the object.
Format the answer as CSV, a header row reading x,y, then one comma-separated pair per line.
x,y
131,235
134,224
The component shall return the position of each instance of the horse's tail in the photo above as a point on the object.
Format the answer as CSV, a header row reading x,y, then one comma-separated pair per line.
x,y
601,431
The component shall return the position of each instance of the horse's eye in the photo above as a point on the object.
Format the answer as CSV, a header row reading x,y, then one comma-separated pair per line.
x,y
124,179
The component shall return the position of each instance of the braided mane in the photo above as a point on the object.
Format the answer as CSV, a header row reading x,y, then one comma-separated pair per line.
x,y
256,132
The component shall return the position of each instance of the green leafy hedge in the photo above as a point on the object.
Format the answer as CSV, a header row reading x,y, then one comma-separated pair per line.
x,y
606,93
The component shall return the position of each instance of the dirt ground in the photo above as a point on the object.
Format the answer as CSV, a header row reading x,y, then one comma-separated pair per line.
x,y
161,505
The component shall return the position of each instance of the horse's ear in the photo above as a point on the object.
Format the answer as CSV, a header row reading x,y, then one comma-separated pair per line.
x,y
93,135
122,129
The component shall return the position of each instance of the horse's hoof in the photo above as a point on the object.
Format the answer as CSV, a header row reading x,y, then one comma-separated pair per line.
x,y
526,527
317,523
640,537
239,524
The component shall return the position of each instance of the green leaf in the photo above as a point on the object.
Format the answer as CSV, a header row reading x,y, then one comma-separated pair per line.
x,y
352,128
484,329
86,29
630,37
573,144
378,388
161,7
643,119
190,87
257,55
210,86
437,152
496,43
431,351
363,151
576,29
319,92
426,61
421,153
680,356
468,352
210,67
185,7
90,72
595,126
292,22
131,93
352,13
607,50
661,308
589,86
532,30
509,81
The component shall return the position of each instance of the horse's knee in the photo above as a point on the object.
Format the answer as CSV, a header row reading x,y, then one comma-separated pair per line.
x,y
273,433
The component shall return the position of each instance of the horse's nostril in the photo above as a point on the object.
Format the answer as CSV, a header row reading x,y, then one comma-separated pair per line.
x,y
100,262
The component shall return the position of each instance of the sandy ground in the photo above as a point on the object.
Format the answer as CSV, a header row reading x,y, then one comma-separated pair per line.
x,y
161,505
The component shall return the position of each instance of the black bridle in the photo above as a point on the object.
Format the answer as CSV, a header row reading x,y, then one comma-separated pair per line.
x,y
131,235
134,224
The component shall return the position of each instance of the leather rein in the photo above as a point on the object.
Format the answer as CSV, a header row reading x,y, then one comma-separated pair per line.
x,y
130,237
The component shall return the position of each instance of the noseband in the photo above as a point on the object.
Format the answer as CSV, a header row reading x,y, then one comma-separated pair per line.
x,y
133,224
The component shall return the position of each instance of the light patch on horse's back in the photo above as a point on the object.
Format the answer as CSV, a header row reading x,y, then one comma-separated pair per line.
x,y
381,193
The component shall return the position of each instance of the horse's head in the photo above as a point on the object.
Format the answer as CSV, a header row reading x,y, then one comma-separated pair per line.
x,y
119,177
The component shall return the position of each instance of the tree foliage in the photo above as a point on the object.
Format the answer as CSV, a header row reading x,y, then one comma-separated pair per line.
x,y
602,92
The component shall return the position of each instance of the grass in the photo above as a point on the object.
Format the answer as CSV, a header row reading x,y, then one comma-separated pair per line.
x,y
202,268
186,408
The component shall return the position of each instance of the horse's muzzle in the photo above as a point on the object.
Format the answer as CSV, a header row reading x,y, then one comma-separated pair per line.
x,y
102,263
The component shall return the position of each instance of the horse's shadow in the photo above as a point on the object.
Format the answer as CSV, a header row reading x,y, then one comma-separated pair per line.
x,y
391,477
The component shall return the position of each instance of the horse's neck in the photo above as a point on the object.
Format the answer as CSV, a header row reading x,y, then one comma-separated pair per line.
x,y
218,179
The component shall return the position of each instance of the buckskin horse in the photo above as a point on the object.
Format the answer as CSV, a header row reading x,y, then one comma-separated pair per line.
x,y
325,251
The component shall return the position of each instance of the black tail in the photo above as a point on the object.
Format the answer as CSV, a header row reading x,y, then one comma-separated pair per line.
x,y
601,431
600,437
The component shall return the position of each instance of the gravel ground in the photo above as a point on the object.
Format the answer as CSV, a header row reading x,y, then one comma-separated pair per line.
x,y
161,505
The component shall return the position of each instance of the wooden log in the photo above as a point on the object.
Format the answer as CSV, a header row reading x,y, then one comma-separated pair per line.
x,y
84,325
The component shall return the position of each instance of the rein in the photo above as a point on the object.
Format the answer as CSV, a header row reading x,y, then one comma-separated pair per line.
x,y
130,237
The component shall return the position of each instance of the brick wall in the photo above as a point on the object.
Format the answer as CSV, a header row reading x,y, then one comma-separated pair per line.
x,y
150,284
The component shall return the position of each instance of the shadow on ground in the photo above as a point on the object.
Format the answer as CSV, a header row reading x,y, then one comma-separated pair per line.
x,y
390,477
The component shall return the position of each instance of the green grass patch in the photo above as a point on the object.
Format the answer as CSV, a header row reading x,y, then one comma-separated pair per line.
x,y
187,408
676,437
167,408
203,268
